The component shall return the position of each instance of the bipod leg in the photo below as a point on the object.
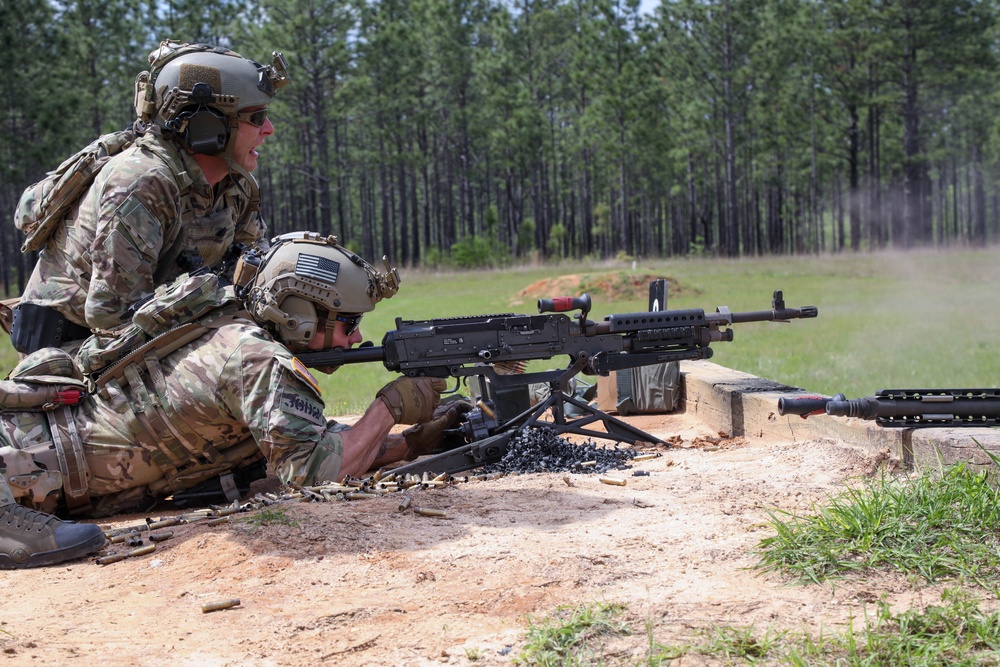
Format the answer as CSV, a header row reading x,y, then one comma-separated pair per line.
x,y
616,428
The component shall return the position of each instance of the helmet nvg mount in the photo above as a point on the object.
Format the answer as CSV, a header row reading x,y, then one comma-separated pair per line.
x,y
193,93
307,280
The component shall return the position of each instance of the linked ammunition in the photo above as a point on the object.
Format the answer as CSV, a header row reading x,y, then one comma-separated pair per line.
x,y
220,605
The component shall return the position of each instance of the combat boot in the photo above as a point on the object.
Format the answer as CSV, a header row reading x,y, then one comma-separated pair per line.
x,y
29,538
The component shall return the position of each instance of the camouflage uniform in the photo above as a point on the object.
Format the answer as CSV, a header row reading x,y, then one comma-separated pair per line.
x,y
229,396
149,210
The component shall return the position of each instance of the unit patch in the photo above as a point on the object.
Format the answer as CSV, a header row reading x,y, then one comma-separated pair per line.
x,y
303,374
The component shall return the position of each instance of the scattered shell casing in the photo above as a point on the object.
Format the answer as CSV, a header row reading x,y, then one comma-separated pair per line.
x,y
219,605
646,457
227,511
161,537
359,495
427,511
404,504
612,481
219,521
125,530
114,558
587,464
164,523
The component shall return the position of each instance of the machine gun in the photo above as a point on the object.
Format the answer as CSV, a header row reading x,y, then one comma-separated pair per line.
x,y
905,408
478,348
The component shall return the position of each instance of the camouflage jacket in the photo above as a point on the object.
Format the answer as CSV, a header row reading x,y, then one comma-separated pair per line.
x,y
149,216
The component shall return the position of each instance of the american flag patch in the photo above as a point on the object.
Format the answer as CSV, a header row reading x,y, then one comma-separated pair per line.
x,y
318,268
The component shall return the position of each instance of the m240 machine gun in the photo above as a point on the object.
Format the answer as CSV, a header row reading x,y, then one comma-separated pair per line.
x,y
905,408
478,347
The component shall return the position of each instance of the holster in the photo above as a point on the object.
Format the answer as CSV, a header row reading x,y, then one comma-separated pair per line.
x,y
35,327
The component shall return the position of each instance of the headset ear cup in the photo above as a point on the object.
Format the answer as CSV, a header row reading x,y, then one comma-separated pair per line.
x,y
207,132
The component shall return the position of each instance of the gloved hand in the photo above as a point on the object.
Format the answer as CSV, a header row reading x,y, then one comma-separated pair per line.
x,y
412,400
428,436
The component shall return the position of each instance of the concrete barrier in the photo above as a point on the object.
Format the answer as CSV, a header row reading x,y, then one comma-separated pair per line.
x,y
745,405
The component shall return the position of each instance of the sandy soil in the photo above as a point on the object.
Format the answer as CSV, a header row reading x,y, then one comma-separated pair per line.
x,y
361,583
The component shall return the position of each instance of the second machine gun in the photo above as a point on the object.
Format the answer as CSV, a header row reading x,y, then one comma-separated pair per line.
x,y
474,347
905,408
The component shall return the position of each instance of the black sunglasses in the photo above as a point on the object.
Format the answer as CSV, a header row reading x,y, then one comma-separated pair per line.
x,y
255,118
351,322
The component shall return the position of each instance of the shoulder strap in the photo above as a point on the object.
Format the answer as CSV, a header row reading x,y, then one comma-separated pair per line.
x,y
164,344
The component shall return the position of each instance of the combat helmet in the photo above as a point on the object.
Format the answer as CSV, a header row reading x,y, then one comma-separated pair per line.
x,y
307,280
194,93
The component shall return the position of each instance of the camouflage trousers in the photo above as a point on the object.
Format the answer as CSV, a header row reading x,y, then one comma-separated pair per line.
x,y
117,479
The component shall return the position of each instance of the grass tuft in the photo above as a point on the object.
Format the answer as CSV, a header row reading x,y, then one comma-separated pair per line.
x,y
565,637
942,524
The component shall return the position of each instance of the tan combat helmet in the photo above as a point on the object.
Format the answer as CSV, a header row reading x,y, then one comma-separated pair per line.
x,y
194,93
307,280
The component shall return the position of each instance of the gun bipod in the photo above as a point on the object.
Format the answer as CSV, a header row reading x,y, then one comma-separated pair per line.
x,y
615,429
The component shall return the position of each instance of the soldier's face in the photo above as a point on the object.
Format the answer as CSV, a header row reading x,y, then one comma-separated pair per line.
x,y
248,139
339,337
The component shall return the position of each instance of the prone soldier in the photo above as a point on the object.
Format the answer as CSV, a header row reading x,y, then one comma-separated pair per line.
x,y
207,400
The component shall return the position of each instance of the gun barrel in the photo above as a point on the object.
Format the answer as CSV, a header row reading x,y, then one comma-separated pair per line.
x,y
338,356
802,406
775,315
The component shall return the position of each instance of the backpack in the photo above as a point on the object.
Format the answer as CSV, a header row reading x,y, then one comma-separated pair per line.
x,y
43,205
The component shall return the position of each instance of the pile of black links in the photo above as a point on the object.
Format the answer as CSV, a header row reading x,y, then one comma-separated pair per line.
x,y
542,450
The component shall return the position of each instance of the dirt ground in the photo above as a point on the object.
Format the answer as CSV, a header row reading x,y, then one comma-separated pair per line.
x,y
362,583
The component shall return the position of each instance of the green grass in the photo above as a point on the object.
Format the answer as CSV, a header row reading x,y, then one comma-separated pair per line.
x,y
954,633
570,636
269,516
938,525
887,320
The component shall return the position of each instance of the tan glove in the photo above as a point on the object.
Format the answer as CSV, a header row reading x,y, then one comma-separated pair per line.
x,y
428,436
412,400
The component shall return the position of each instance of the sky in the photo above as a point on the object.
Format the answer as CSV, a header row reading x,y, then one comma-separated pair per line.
x,y
647,6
